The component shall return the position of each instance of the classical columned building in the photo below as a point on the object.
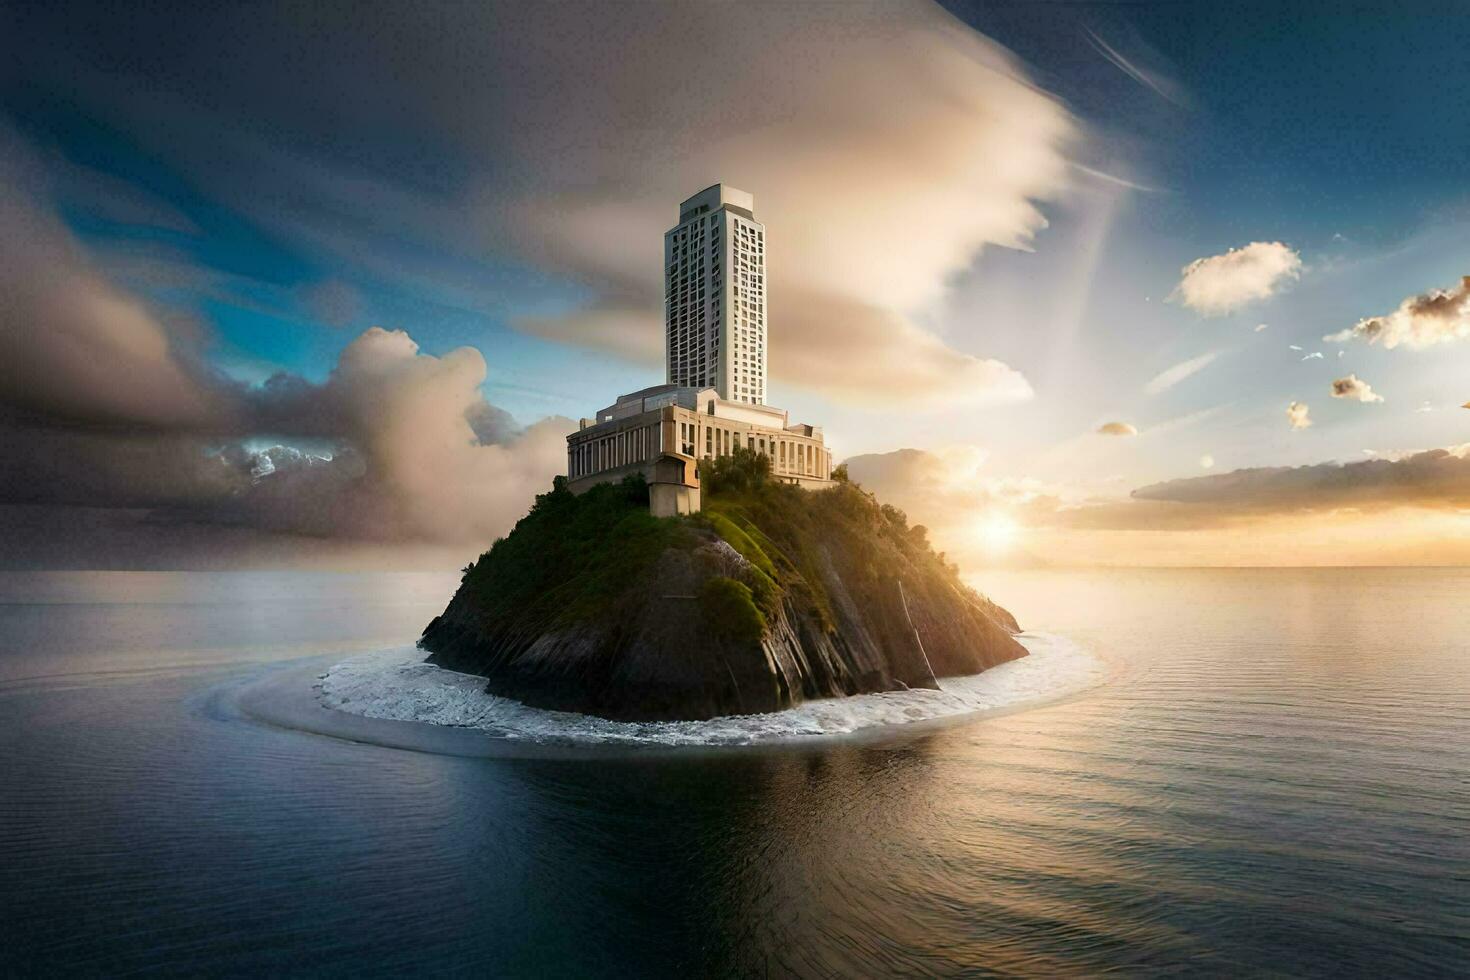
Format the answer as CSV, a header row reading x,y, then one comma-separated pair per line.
x,y
715,353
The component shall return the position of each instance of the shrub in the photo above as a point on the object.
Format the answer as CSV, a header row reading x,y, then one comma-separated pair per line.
x,y
730,610
571,556
743,471
919,535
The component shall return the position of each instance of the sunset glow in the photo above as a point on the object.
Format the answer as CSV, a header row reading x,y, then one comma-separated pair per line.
x,y
998,532
1070,305
884,488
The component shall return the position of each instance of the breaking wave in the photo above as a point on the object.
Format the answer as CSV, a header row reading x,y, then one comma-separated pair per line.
x,y
397,685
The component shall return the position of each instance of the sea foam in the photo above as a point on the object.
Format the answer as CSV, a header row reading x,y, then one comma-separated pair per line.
x,y
397,685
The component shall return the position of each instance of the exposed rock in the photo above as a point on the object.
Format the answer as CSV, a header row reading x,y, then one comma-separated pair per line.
x,y
772,596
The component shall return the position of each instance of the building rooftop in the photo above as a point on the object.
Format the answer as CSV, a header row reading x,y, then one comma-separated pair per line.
x,y
715,197
706,401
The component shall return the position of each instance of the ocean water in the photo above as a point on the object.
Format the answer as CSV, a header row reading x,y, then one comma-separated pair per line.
x,y
1272,775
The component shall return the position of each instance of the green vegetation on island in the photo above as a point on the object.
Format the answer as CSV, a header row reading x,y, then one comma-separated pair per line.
x,y
770,596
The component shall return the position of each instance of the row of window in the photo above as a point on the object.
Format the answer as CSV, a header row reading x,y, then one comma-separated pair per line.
x,y
787,456
611,451
687,358
639,445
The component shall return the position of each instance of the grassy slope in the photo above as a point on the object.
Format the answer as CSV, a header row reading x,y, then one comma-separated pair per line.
x,y
571,557
781,528
585,604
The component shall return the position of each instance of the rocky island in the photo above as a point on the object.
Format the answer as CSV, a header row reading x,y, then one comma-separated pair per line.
x,y
769,596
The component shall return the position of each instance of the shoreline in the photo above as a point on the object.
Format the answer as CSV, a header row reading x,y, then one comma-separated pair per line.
x,y
391,697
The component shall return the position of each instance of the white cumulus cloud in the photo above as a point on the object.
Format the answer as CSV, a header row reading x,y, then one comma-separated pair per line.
x,y
1298,415
1221,283
1355,388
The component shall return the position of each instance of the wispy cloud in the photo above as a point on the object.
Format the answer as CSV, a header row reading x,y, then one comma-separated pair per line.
x,y
1117,181
560,149
1190,419
1169,377
846,305
1159,84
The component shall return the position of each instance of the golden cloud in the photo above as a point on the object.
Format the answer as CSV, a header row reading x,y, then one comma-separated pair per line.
x,y
1436,317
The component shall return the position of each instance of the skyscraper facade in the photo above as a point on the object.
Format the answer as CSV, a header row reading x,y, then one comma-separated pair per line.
x,y
713,404
715,296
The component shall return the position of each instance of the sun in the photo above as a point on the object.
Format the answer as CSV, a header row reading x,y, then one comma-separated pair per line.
x,y
998,532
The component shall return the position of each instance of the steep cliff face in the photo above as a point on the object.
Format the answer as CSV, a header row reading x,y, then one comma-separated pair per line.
x,y
770,597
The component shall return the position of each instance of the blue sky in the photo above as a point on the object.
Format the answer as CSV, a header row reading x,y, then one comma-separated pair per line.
x,y
1321,119
254,288
270,184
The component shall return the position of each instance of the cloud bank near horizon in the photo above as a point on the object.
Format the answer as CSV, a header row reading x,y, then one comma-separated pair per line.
x,y
1434,479
107,404
954,504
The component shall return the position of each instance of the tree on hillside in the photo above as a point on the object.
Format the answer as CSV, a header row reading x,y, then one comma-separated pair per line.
x,y
740,472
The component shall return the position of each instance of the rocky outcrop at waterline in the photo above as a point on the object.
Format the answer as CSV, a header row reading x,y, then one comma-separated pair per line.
x,y
771,596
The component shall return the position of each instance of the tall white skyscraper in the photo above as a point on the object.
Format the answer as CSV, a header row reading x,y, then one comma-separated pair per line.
x,y
715,296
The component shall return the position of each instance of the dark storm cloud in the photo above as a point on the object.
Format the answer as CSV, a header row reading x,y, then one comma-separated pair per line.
x,y
75,347
413,453
107,404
